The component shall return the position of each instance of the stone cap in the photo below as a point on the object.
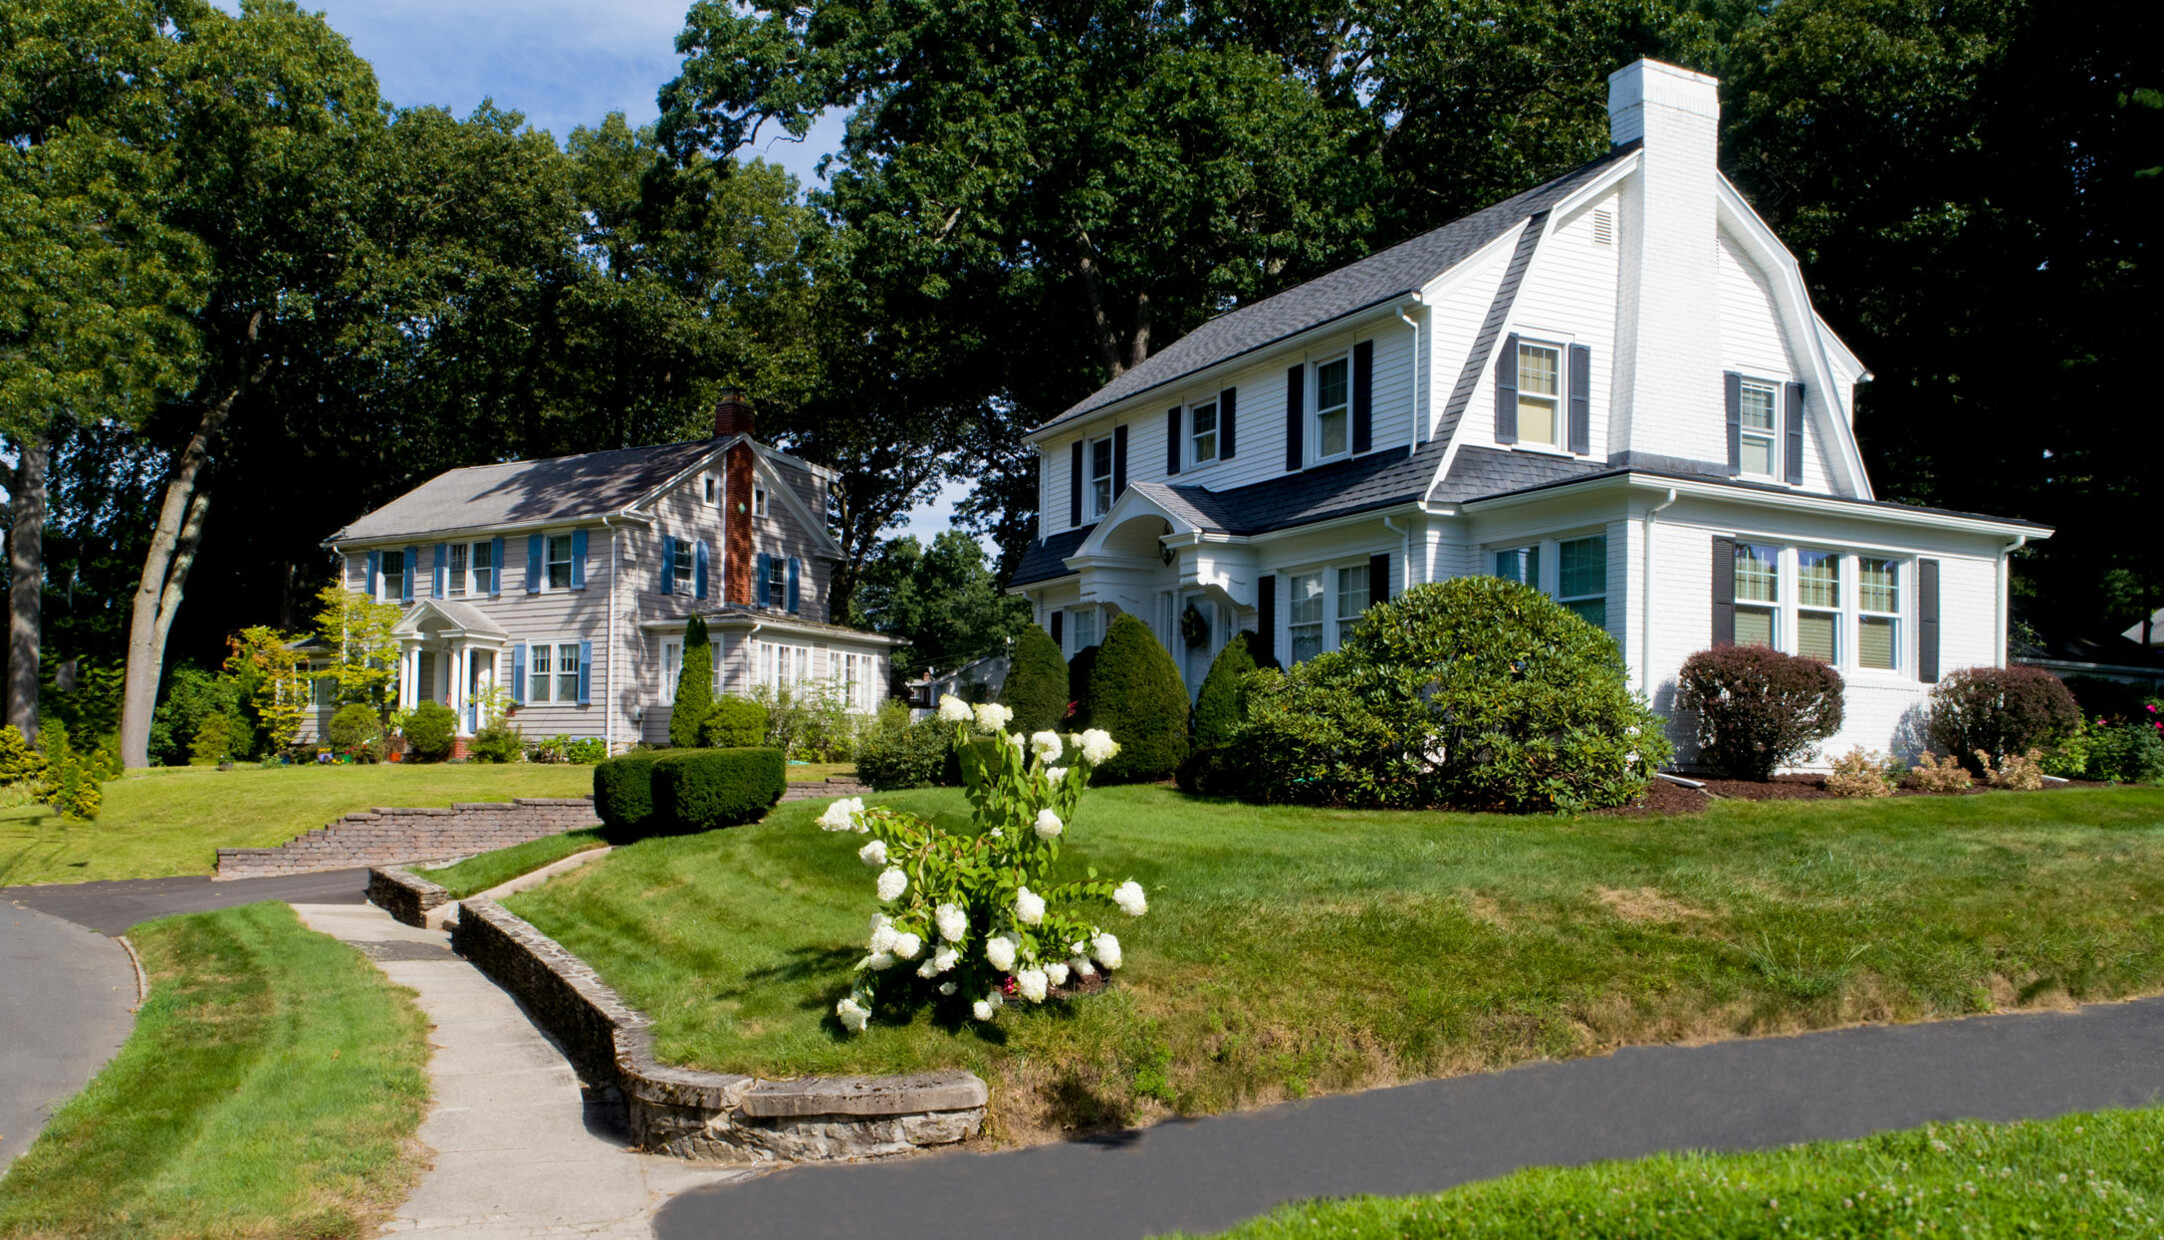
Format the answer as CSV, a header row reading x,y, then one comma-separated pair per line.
x,y
866,1095
584,802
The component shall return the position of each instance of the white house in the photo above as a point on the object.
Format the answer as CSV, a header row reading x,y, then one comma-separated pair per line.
x,y
1612,386
570,581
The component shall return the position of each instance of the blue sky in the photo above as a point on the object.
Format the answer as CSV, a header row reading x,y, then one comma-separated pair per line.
x,y
563,63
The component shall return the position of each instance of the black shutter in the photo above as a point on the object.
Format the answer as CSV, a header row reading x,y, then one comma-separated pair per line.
x,y
1732,386
1119,461
1074,487
1363,410
1581,398
1795,432
1927,621
1378,579
1225,402
1295,413
1059,629
1266,612
1724,591
1506,392
1172,440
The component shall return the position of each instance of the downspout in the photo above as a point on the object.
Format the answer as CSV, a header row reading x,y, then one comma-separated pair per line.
x,y
1645,602
1405,539
2005,591
1412,438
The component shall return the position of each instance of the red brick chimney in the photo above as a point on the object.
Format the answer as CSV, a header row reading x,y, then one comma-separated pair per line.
x,y
732,415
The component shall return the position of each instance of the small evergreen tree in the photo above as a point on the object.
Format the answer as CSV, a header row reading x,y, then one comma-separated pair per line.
x,y
1220,705
1135,693
694,687
1036,688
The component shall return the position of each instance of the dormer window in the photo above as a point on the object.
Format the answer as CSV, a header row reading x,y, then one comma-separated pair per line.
x,y
1333,408
1202,432
1761,446
1100,476
1540,394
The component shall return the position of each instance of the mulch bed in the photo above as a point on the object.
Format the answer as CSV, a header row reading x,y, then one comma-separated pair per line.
x,y
1664,797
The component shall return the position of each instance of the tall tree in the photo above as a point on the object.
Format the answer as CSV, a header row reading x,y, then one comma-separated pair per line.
x,y
942,598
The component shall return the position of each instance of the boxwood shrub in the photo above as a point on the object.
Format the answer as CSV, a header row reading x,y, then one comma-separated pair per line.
x,y
1758,709
624,792
430,730
702,789
734,723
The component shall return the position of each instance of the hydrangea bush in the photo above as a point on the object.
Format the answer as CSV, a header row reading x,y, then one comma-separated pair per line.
x,y
975,917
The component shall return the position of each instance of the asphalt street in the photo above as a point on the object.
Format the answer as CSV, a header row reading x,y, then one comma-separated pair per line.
x,y
67,1000
113,906
1205,1175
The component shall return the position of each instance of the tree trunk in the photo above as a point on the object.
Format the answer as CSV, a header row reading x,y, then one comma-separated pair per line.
x,y
26,590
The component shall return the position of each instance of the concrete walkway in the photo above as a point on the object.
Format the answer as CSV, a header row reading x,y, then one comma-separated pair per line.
x,y
1206,1175
517,1150
113,905
67,1002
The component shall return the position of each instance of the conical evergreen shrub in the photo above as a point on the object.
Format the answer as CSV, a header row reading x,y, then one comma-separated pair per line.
x,y
1078,686
694,688
1036,688
1218,707
1135,693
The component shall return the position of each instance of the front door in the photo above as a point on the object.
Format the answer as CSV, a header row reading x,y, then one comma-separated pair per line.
x,y
480,679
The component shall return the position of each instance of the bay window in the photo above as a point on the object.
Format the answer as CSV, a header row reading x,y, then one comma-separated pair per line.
x,y
1519,564
1582,578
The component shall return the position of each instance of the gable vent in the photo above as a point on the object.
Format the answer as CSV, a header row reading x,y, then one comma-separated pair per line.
x,y
1604,227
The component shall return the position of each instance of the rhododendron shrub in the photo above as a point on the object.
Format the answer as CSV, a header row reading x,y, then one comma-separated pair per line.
x,y
969,918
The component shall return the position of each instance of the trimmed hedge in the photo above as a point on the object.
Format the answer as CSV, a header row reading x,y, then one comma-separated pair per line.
x,y
1223,700
735,723
916,755
1758,709
1137,695
2000,710
624,792
1036,688
703,789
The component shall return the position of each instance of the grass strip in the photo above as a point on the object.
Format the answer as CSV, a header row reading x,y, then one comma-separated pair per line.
x,y
2097,1174
271,1087
477,874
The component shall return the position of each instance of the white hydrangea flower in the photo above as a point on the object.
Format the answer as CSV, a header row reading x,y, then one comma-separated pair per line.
x,y
1128,896
882,939
927,970
1029,907
996,833
1048,824
1082,966
892,883
842,815
1055,774
992,717
879,961
1000,951
946,988
873,854
953,922
880,921
1046,745
952,709
1014,739
981,1009
943,960
1098,746
1030,984
1107,950
907,945
854,1015
1056,973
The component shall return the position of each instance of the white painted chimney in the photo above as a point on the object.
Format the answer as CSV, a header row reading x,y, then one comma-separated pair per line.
x,y
1667,398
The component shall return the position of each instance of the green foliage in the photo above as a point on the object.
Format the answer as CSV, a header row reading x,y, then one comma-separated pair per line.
x,y
2131,753
1036,688
497,741
587,751
811,722
356,732
703,789
624,792
1222,703
1213,771
70,782
1999,710
430,729
192,694
92,707
912,755
213,743
356,630
736,723
694,687
943,598
19,762
1136,695
1476,692
1757,709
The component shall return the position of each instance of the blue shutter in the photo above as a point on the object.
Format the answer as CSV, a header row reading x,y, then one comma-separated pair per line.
x,y
495,566
443,560
793,575
766,573
698,568
533,564
668,564
578,559
586,673
375,573
518,672
413,569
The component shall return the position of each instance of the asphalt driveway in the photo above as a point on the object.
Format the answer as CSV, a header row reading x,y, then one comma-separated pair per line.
x,y
113,906
67,1001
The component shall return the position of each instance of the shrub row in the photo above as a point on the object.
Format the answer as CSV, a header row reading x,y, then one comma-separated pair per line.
x,y
675,791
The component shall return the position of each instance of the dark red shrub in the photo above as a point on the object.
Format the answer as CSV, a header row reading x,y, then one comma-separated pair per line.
x,y
2000,710
1758,709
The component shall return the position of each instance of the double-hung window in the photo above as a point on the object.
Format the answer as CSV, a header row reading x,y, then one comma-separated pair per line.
x,y
1333,416
774,589
1352,599
1519,564
1202,433
559,561
394,575
1758,595
1305,616
1818,605
1082,622
552,672
758,501
672,667
455,577
682,561
1760,444
538,680
710,489
481,571
1100,477
1878,606
1581,581
1540,394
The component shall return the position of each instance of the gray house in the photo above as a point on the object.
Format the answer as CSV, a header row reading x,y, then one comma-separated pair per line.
x,y
569,582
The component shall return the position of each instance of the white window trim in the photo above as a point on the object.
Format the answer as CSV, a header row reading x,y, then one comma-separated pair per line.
x,y
1090,509
1560,343
1074,643
570,561
672,666
555,673
759,504
1778,434
710,489
1843,608
1315,408
1327,570
1849,613
1217,433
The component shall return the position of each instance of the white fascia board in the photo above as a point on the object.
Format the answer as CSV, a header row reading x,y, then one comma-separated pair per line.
x,y
475,533
1787,501
678,478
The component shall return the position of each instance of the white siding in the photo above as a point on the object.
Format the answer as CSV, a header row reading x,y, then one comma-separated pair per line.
x,y
1754,343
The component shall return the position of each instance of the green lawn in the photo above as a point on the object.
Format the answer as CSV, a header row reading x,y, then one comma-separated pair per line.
x,y
172,820
477,874
1293,951
2100,1174
817,772
271,1087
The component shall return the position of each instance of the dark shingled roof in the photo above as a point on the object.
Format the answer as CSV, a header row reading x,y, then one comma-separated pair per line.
x,y
1481,472
1046,557
560,488
1373,280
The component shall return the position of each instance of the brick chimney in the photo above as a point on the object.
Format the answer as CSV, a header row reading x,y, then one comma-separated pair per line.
x,y
732,414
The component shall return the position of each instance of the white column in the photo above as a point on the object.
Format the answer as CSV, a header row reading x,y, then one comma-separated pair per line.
x,y
457,696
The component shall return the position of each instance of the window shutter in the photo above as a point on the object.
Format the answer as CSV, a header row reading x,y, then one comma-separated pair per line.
x,y
1581,398
1927,621
795,574
578,559
413,569
1295,411
1059,629
1794,462
586,672
375,574
1363,396
1227,401
766,574
1266,612
443,560
1724,591
1506,392
533,564
495,566
1074,487
668,564
1378,579
698,568
518,673
1732,384
1172,441
1119,462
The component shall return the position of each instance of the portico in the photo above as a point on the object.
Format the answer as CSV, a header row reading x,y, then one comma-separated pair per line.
x,y
448,653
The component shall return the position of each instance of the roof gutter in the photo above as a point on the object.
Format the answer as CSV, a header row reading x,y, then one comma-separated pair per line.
x,y
338,542
1879,510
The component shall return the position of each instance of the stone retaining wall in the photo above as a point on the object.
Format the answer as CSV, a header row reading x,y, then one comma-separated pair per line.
x,y
406,896
389,836
716,1116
